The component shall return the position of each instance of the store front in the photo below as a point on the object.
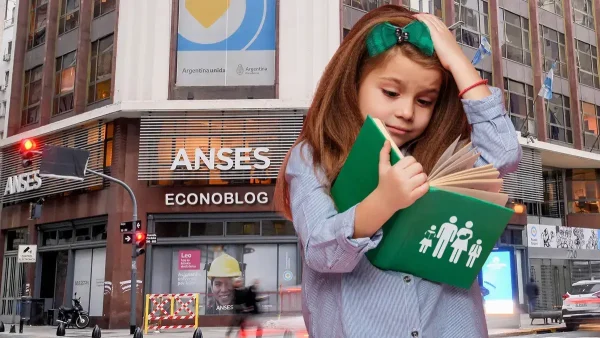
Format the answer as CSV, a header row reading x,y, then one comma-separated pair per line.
x,y
560,256
213,179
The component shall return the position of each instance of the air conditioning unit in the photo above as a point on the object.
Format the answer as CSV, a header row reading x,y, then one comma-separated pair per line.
x,y
6,57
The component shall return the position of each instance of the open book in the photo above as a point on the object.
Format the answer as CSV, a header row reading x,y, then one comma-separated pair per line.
x,y
455,171
447,234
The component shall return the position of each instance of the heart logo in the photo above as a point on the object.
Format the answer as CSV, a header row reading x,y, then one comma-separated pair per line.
x,y
207,12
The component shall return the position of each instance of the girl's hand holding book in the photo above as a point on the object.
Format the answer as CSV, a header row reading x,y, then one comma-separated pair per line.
x,y
399,187
402,184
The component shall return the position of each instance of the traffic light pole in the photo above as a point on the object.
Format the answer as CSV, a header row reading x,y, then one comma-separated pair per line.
x,y
132,324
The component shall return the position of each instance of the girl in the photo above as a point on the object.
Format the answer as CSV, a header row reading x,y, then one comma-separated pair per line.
x,y
426,100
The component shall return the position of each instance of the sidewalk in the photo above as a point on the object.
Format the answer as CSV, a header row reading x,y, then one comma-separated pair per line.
x,y
527,329
273,328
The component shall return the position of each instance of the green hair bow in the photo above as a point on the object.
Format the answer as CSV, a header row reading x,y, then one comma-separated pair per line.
x,y
385,35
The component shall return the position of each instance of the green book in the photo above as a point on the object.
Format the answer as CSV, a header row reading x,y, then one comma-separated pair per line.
x,y
446,235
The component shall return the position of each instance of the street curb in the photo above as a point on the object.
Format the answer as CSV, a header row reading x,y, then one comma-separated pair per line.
x,y
529,332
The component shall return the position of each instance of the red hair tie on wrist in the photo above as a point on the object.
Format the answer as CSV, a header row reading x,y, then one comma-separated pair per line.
x,y
478,83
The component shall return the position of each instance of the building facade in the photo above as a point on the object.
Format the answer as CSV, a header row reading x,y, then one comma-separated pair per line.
x,y
9,8
201,142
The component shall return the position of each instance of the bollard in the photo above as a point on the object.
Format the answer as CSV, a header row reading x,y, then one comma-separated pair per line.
x,y
197,333
60,329
138,333
96,332
1,326
12,329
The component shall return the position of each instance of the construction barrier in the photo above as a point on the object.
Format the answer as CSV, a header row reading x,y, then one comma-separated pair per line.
x,y
290,300
179,301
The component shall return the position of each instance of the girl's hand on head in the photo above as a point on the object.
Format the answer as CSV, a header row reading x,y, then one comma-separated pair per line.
x,y
452,57
402,184
444,42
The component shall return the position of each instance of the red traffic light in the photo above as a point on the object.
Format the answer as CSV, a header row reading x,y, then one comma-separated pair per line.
x,y
140,236
28,145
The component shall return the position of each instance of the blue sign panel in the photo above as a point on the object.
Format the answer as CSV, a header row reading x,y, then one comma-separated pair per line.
x,y
498,283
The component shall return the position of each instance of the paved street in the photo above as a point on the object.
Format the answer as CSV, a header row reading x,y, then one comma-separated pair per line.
x,y
576,334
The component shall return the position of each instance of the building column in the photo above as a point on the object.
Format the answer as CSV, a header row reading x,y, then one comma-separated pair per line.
x,y
448,10
49,62
497,71
118,263
84,46
537,61
572,76
20,46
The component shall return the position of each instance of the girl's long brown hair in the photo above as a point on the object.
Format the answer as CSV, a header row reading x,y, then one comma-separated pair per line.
x,y
334,119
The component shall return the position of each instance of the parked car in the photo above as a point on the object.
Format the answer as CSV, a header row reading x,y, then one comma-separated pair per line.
x,y
582,304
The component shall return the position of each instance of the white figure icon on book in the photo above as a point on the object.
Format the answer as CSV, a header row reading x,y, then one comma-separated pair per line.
x,y
458,239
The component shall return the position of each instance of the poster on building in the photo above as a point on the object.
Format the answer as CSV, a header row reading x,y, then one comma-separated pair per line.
x,y
497,280
533,235
189,259
226,43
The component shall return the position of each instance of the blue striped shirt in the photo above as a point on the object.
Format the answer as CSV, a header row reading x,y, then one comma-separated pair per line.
x,y
343,295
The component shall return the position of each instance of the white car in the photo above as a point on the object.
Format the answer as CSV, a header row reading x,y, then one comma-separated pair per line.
x,y
582,304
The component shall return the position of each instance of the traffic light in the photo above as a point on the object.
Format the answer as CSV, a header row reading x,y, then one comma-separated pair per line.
x,y
140,242
27,149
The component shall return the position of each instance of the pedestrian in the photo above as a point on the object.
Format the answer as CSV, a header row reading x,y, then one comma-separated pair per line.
x,y
426,101
238,320
533,291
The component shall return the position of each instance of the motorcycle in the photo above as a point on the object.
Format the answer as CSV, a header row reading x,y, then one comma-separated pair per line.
x,y
74,316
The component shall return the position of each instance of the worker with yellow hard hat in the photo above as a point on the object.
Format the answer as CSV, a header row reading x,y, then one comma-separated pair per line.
x,y
221,273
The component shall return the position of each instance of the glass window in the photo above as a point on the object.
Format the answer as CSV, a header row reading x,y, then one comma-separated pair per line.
x,y
590,119
554,6
102,7
99,232
278,228
583,190
474,14
16,237
587,64
69,16
65,236
243,228
519,99
38,15
206,229
553,49
9,12
424,6
582,13
108,144
516,37
100,69
366,5
172,229
32,94
64,83
82,234
559,119
210,270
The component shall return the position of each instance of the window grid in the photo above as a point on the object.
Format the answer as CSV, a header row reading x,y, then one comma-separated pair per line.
x,y
590,120
102,7
366,5
475,23
69,16
64,83
101,69
516,38
423,6
32,94
38,13
583,13
559,119
553,6
519,99
587,64
553,49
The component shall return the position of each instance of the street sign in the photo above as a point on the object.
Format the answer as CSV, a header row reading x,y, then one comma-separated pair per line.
x,y
127,238
151,239
128,226
27,254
